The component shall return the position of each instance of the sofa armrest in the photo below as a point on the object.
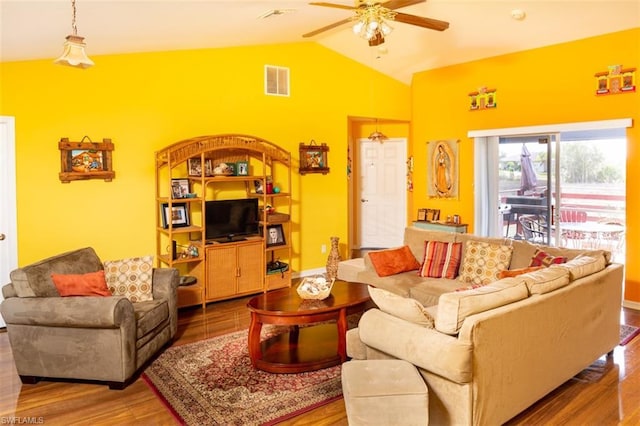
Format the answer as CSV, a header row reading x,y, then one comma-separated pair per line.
x,y
165,287
8,290
75,312
426,348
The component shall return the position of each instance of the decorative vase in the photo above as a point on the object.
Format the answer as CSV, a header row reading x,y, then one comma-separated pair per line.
x,y
333,259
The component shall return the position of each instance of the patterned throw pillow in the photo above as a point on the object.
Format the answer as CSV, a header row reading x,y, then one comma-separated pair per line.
x,y
541,258
130,278
441,259
484,261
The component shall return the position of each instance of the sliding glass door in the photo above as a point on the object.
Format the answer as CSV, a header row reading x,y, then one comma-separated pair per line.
x,y
565,189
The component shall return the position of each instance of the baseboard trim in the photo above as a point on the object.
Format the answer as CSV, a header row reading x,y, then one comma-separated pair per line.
x,y
631,304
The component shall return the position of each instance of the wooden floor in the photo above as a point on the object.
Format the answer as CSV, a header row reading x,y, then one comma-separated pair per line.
x,y
611,398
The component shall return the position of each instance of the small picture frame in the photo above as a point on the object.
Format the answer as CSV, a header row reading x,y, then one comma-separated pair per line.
x,y
242,168
258,186
433,215
275,236
422,215
179,188
178,216
194,166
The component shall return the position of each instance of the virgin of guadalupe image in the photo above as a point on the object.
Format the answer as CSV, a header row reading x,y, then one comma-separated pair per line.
x,y
443,166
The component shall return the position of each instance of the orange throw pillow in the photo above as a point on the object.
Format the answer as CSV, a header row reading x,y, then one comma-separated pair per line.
x,y
393,261
507,273
91,284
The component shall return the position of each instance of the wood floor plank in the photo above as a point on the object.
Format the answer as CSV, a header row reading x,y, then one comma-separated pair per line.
x,y
611,399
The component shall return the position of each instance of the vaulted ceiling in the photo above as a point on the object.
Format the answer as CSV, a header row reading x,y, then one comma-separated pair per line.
x,y
32,29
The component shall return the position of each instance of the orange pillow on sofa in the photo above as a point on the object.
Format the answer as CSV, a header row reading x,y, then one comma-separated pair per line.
x,y
90,284
508,273
393,261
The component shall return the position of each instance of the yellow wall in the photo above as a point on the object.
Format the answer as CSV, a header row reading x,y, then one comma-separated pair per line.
x,y
144,102
543,86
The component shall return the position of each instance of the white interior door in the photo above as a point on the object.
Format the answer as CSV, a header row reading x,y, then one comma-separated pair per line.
x,y
383,196
8,227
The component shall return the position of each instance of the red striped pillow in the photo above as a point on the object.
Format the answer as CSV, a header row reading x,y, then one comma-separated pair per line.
x,y
441,259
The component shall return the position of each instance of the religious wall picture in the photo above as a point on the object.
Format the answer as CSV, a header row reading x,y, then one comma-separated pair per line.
x,y
442,169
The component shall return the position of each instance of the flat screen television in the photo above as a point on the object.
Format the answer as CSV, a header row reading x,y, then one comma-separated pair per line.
x,y
231,220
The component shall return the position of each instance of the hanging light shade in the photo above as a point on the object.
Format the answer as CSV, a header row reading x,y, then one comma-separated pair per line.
x,y
377,136
74,54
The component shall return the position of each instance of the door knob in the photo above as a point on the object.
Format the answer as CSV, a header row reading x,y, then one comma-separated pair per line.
x,y
363,200
2,237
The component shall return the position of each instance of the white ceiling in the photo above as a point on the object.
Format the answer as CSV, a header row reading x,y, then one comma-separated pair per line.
x,y
32,29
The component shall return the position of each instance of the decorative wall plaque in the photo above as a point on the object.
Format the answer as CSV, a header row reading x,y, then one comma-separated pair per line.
x,y
85,160
313,158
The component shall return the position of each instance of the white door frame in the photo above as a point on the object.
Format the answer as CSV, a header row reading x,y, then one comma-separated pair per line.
x,y
8,216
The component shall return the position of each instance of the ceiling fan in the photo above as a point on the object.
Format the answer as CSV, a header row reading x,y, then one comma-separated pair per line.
x,y
371,17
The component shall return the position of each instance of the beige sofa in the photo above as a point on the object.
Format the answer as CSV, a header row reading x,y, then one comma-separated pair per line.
x,y
79,337
494,350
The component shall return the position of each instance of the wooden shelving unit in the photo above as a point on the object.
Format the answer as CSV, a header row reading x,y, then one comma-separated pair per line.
x,y
266,161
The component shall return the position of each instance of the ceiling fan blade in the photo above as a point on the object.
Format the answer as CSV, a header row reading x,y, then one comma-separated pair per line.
x,y
420,21
397,4
328,27
337,6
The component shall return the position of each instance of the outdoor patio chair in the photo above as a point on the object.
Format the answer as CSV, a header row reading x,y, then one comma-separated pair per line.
x,y
534,228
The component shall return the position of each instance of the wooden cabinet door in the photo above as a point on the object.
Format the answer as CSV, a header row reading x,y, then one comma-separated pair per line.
x,y
221,271
251,267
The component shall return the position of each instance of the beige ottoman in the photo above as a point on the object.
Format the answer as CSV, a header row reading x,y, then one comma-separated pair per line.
x,y
384,392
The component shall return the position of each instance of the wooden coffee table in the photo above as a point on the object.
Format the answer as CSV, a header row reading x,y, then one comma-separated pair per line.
x,y
303,348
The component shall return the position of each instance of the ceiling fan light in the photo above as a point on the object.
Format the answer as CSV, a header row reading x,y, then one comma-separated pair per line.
x,y
372,26
386,29
357,27
74,54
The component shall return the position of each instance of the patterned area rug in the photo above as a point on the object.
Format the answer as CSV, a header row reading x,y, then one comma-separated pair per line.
x,y
212,382
628,333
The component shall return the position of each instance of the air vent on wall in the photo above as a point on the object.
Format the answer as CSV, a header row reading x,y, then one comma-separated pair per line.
x,y
276,80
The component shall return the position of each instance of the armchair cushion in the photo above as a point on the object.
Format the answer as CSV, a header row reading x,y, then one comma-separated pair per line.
x,y
35,280
131,278
89,284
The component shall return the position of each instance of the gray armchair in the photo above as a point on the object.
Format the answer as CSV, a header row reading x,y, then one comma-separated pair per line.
x,y
103,339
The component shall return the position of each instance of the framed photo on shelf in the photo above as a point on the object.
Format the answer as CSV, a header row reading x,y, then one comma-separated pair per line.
x,y
242,168
178,216
275,236
194,165
422,215
433,215
179,188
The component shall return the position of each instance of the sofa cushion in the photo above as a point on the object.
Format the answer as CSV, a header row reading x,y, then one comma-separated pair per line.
x,y
441,259
130,277
583,265
402,307
455,307
89,284
545,280
34,280
483,262
415,238
393,261
542,258
149,315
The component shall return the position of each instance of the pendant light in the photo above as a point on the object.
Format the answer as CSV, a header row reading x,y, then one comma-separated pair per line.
x,y
74,54
378,136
